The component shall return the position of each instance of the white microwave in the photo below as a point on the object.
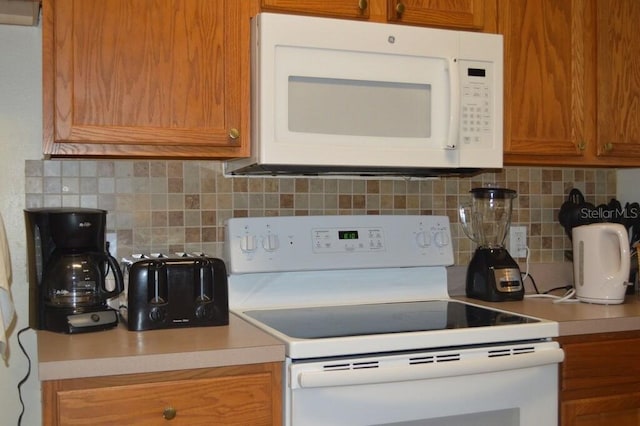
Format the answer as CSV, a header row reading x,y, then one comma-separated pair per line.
x,y
333,96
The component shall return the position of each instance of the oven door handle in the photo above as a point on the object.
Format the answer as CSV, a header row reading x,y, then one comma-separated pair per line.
x,y
316,379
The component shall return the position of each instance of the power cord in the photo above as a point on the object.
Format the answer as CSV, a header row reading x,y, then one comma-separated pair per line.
x,y
566,298
24,379
524,275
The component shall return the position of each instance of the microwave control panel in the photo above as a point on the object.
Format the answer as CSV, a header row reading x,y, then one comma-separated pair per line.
x,y
476,107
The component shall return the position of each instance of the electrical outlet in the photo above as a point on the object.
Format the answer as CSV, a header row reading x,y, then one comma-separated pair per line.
x,y
518,241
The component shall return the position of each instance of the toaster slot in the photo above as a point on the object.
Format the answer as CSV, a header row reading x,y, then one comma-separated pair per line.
x,y
203,289
203,281
157,283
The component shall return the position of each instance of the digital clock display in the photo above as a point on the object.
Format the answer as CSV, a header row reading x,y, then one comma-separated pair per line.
x,y
476,72
347,235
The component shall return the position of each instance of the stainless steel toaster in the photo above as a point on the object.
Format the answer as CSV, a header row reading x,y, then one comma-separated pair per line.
x,y
174,291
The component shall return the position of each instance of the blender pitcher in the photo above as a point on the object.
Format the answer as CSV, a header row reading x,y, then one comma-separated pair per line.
x,y
492,274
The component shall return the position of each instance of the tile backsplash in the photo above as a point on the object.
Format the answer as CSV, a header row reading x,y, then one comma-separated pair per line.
x,y
171,206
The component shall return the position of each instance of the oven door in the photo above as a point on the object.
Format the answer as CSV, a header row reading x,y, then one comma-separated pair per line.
x,y
495,386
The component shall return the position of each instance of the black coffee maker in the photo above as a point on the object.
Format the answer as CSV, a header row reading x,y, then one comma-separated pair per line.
x,y
69,265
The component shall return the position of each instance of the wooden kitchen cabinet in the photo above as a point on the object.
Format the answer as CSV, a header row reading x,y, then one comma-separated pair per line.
x,y
248,395
461,14
600,380
618,84
570,87
548,95
133,78
353,9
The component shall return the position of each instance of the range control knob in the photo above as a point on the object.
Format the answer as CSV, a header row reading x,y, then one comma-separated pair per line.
x,y
441,238
423,239
248,243
271,242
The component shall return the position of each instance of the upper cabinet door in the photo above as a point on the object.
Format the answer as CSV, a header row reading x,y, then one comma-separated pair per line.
x,y
572,86
548,77
618,81
461,14
464,14
337,8
163,78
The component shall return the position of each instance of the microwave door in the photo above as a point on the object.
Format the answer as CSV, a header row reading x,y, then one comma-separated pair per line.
x,y
364,109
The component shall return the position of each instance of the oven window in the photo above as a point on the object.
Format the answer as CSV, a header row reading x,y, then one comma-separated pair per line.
x,y
357,320
359,107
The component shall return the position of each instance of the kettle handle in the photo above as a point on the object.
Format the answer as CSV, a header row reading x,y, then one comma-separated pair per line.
x,y
622,275
117,273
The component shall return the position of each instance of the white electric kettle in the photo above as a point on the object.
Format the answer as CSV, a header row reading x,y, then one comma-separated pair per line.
x,y
600,262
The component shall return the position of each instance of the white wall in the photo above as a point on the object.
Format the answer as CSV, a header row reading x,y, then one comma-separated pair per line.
x,y
628,185
20,139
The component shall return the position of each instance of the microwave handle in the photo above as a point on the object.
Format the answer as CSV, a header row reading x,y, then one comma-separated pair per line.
x,y
454,105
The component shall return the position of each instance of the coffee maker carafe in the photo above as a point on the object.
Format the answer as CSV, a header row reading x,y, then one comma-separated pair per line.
x,y
492,274
69,267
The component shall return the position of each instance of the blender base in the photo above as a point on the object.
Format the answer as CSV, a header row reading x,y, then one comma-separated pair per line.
x,y
493,276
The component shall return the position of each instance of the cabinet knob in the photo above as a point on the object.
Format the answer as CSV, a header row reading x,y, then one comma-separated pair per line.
x,y
169,413
363,4
400,8
582,146
608,147
234,133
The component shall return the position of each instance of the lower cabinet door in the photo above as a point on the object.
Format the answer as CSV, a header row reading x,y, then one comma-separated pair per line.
x,y
233,400
618,410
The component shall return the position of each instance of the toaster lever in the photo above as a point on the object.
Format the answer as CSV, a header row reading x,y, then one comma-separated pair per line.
x,y
158,282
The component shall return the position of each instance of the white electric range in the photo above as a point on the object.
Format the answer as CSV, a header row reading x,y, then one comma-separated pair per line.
x,y
371,335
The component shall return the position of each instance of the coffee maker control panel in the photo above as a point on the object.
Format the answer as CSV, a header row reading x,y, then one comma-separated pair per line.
x,y
106,318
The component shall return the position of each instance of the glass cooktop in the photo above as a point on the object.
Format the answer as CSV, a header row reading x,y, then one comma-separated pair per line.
x,y
381,318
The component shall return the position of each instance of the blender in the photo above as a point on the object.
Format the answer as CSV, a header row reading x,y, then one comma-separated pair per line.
x,y
492,274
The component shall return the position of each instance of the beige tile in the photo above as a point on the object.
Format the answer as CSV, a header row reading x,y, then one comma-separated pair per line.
x,y
175,169
192,201
175,218
175,201
286,201
161,203
159,219
158,169
208,218
175,185
141,169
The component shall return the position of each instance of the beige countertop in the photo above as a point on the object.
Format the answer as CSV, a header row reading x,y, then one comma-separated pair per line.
x,y
119,351
576,318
